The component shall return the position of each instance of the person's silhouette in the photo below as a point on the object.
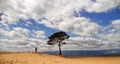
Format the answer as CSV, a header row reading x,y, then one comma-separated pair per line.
x,y
36,49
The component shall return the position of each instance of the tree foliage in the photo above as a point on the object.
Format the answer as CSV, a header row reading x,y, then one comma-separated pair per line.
x,y
58,37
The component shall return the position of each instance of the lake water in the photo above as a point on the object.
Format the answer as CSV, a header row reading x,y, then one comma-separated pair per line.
x,y
111,52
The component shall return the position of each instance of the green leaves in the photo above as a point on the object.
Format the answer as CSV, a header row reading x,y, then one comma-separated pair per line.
x,y
58,36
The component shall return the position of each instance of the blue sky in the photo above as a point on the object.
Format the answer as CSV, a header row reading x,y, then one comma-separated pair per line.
x,y
92,24
103,18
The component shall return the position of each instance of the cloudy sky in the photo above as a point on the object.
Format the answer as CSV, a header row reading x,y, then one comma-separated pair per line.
x,y
92,24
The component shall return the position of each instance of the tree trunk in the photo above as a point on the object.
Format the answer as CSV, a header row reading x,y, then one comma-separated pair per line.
x,y
60,53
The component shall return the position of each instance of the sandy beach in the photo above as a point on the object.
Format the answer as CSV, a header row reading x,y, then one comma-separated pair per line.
x,y
39,58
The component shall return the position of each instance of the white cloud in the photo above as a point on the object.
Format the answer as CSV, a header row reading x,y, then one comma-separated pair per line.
x,y
53,10
20,38
116,24
16,33
102,5
25,9
39,34
81,26
83,43
58,14
111,35
108,38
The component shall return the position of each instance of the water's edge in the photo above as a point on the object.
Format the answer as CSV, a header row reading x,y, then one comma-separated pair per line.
x,y
77,53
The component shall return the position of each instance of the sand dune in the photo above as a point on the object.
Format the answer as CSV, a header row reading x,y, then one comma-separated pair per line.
x,y
37,58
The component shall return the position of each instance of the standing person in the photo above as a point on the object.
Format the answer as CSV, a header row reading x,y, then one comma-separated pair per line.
x,y
35,49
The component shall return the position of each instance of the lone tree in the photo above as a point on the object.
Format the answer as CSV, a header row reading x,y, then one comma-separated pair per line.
x,y
58,38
